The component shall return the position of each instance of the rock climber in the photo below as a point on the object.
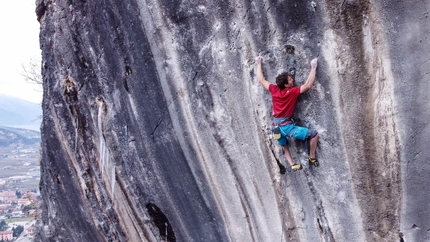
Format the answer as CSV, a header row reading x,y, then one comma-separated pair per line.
x,y
284,97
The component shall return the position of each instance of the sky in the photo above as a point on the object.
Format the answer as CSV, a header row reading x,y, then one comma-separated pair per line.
x,y
19,44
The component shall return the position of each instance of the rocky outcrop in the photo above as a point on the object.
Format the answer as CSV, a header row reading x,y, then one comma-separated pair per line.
x,y
155,127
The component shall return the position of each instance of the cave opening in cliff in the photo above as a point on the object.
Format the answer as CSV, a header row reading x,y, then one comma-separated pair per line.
x,y
161,221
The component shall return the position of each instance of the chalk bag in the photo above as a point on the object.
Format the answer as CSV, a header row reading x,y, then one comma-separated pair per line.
x,y
276,132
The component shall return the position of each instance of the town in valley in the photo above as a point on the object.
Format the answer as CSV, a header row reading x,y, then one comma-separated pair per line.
x,y
19,190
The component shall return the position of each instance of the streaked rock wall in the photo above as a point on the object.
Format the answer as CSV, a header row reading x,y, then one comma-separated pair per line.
x,y
155,127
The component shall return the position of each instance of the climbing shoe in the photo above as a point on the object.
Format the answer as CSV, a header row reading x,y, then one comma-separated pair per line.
x,y
313,161
296,167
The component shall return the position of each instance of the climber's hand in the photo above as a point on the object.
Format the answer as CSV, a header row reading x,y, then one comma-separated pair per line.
x,y
258,60
314,63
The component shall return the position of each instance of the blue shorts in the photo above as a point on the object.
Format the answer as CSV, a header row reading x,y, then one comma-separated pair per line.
x,y
294,131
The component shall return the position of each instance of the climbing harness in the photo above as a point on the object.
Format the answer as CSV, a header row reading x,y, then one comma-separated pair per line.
x,y
282,121
276,126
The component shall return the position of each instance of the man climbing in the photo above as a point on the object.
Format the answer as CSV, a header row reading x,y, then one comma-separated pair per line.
x,y
284,97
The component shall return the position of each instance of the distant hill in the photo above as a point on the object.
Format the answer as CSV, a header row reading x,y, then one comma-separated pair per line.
x,y
19,113
16,135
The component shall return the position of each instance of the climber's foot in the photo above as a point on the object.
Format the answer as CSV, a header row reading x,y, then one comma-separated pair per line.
x,y
313,161
296,167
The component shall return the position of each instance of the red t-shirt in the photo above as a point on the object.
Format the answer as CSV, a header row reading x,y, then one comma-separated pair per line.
x,y
284,100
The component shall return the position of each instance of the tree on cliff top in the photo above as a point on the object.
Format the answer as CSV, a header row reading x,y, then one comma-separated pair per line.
x,y
32,72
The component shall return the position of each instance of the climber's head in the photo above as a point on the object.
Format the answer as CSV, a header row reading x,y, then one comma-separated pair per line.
x,y
284,80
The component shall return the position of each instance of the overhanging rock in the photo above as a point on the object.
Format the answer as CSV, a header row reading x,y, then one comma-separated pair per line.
x,y
155,127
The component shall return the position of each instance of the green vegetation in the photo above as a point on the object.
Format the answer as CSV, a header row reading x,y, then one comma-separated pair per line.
x,y
18,194
19,160
3,225
14,220
17,230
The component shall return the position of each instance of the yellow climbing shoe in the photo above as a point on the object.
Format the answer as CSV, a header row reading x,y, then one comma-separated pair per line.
x,y
313,161
296,167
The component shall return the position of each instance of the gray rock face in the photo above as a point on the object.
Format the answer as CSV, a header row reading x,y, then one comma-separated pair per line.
x,y
155,127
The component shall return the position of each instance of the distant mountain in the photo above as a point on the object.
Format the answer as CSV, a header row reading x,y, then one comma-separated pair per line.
x,y
16,112
16,135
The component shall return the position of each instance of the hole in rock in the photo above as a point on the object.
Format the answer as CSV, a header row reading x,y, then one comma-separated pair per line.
x,y
160,220
57,179
128,70
40,10
70,91
401,237
319,225
292,72
282,168
84,63
124,81
290,49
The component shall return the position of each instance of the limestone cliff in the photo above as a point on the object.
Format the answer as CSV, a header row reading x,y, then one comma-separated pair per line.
x,y
155,127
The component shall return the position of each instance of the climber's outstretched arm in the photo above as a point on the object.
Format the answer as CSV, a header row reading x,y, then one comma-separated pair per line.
x,y
260,76
311,78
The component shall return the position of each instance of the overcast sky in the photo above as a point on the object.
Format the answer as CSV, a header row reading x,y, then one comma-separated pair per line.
x,y
19,43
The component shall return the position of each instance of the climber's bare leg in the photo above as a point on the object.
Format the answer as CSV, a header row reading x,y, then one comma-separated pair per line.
x,y
288,155
313,146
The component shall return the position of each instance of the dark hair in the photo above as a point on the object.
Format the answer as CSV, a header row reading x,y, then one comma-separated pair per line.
x,y
282,80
